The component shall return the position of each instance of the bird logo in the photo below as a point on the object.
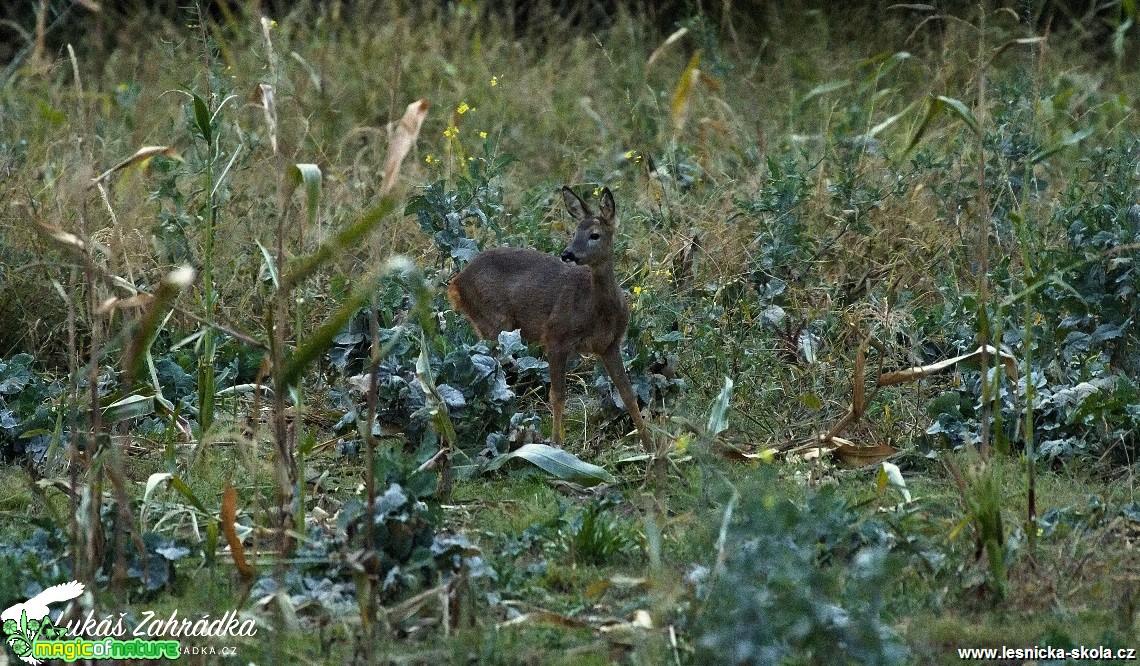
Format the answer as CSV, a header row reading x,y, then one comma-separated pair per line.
x,y
25,623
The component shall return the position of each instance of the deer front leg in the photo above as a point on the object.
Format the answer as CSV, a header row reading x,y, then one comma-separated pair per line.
x,y
611,359
557,361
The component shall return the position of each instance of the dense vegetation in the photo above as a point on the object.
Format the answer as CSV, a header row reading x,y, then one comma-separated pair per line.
x,y
232,380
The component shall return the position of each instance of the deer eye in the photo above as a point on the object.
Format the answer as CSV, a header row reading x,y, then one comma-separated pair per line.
x,y
595,236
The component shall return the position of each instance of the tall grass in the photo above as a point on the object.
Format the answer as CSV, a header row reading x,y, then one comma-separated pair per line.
x,y
787,203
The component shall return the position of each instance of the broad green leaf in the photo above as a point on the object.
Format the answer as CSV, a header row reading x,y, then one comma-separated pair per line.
x,y
811,401
202,118
310,176
180,485
1071,140
935,106
130,407
556,462
345,239
210,548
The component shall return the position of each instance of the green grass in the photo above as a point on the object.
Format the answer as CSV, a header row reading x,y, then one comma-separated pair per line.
x,y
816,225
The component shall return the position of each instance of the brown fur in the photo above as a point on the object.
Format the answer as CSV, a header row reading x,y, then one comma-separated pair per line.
x,y
568,308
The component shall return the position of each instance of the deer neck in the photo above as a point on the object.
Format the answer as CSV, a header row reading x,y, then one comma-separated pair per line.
x,y
603,281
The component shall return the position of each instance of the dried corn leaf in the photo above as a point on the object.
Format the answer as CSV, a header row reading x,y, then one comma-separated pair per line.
x,y
67,239
543,617
141,156
147,325
403,138
851,456
641,620
736,455
858,390
227,518
660,50
265,95
684,90
406,610
911,374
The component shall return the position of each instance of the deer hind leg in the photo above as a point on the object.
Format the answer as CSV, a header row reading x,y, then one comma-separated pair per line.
x,y
611,359
557,360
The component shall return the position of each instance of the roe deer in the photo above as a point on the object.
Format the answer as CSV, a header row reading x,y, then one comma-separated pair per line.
x,y
569,306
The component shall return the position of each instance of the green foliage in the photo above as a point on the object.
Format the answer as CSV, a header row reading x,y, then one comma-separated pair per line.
x,y
471,378
594,535
26,416
407,552
28,566
444,213
825,188
782,243
801,583
597,537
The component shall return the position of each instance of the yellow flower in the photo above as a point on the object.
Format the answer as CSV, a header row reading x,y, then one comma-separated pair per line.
x,y
462,109
451,132
482,135
429,159
272,23
629,154
494,81
597,191
637,290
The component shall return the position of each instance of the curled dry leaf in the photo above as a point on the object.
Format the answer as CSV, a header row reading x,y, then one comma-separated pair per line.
x,y
660,50
265,95
65,238
851,456
641,620
403,138
116,303
141,156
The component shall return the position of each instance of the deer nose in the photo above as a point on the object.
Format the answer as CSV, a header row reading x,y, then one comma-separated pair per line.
x,y
569,257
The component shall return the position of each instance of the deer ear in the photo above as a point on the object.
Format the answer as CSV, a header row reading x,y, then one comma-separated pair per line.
x,y
574,204
608,208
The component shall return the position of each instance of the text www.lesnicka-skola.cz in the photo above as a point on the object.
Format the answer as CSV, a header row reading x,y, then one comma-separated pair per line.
x,y
1046,652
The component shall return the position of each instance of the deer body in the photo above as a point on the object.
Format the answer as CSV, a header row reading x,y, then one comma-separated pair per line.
x,y
570,306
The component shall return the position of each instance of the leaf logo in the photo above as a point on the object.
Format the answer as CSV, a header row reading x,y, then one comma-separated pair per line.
x,y
24,623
